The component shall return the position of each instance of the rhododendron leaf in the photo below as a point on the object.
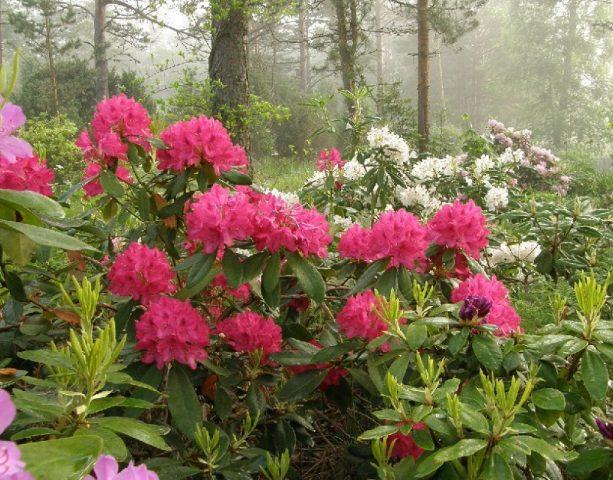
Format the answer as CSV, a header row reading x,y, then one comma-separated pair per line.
x,y
111,185
496,468
112,443
378,432
544,448
237,178
66,458
416,334
253,266
405,283
182,401
588,461
544,262
474,419
200,268
487,351
157,143
362,378
271,281
47,357
223,403
387,281
15,286
32,432
549,399
463,448
34,202
423,438
299,386
398,368
16,246
291,358
368,277
458,341
332,353
308,277
594,374
148,433
232,268
44,236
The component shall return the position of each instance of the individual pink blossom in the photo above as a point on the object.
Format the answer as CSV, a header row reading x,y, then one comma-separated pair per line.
x,y
357,319
328,159
503,140
26,173
480,286
11,466
459,226
198,141
334,374
92,186
107,468
247,332
505,318
109,149
279,224
399,236
124,117
12,147
495,126
218,218
141,272
404,445
355,243
172,330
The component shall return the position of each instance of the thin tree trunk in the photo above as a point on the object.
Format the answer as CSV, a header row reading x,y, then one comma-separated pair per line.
x,y
423,65
303,32
442,80
346,52
560,125
379,53
52,71
100,50
228,65
1,33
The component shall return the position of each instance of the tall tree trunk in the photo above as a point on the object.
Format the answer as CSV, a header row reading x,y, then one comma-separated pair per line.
x,y
423,66
228,65
561,123
100,50
303,32
346,51
1,33
379,53
52,71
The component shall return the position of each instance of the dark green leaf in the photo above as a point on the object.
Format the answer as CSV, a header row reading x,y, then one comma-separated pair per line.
x,y
549,399
487,351
182,401
594,375
271,281
308,277
300,386
232,268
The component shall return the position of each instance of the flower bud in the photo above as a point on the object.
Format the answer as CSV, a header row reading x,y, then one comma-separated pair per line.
x,y
475,307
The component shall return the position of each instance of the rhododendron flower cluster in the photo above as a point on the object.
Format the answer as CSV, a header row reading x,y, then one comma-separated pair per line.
x,y
198,141
334,375
217,218
248,332
92,186
141,272
397,235
107,468
459,226
404,445
290,226
357,319
11,466
501,314
219,292
242,293
26,173
172,330
123,118
328,159
12,147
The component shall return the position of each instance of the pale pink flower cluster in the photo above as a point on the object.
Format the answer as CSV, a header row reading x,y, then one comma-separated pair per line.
x,y
460,226
172,330
12,147
357,319
11,465
328,159
219,218
248,331
397,235
107,468
26,173
198,141
501,314
141,272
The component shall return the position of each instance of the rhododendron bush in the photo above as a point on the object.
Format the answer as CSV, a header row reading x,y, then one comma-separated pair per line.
x,y
186,323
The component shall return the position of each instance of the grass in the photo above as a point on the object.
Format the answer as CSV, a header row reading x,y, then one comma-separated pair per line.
x,y
285,174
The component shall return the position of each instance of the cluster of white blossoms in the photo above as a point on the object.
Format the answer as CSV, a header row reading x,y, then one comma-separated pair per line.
x,y
343,223
483,164
418,196
319,177
519,252
394,146
432,167
510,156
496,198
354,170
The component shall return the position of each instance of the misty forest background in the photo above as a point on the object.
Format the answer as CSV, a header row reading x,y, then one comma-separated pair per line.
x,y
288,76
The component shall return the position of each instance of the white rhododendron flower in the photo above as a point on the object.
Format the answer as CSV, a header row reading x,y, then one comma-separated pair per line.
x,y
418,196
342,222
496,198
289,197
483,164
395,147
354,170
522,252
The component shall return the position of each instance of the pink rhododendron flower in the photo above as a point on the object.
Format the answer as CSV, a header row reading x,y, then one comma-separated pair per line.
x,y
26,173
334,374
459,226
197,141
279,224
11,466
110,148
247,332
142,273
172,330
355,243
125,118
504,316
11,147
328,159
357,319
217,218
242,293
107,468
404,445
92,186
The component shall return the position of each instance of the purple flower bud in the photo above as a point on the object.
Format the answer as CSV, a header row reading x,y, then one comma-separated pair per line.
x,y
475,307
606,428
